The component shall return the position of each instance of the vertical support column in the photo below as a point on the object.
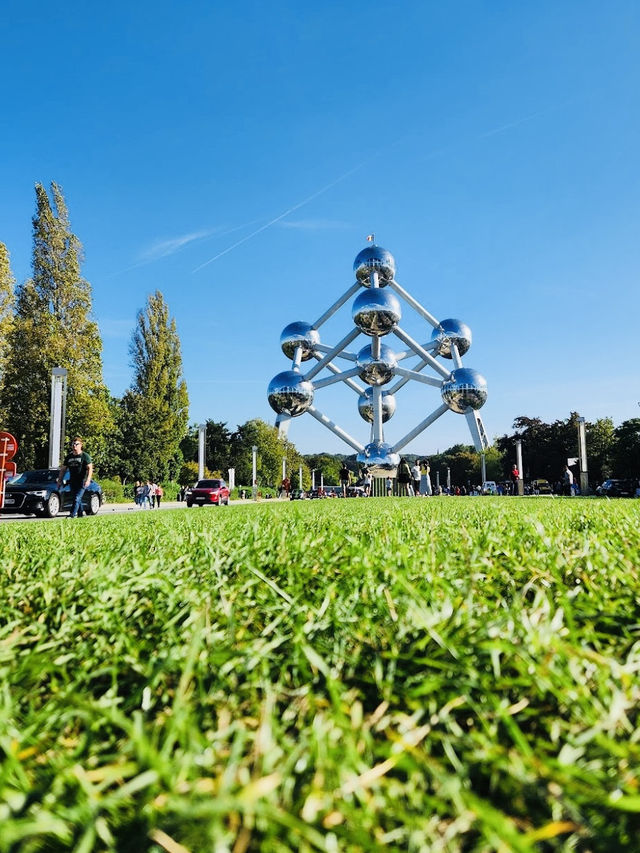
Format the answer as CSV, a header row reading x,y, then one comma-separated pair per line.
x,y
57,415
202,432
300,478
448,478
254,475
232,479
582,456
519,466
483,468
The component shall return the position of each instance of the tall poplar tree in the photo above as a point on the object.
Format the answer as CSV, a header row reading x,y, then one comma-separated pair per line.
x,y
52,327
155,409
6,304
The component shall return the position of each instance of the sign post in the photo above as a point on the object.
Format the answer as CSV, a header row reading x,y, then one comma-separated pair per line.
x,y
8,449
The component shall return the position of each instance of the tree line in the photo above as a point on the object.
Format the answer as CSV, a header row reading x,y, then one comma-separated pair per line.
x,y
46,322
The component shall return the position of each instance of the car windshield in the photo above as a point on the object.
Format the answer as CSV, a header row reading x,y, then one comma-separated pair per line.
x,y
209,484
49,475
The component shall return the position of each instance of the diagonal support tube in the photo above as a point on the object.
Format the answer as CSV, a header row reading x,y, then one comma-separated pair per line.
x,y
325,421
420,428
424,355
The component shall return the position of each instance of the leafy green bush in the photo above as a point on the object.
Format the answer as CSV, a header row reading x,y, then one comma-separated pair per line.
x,y
113,491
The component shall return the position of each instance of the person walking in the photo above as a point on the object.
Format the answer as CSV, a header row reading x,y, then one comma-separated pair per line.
x,y
426,468
567,482
515,476
415,477
345,476
80,467
159,494
404,478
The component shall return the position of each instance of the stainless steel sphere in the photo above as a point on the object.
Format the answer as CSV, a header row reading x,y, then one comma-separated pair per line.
x,y
376,371
452,331
299,334
379,459
290,394
376,312
365,405
378,259
465,389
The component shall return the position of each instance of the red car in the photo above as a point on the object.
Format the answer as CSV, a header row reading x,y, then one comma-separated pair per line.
x,y
207,492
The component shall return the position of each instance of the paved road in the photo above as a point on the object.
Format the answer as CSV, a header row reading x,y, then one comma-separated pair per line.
x,y
106,509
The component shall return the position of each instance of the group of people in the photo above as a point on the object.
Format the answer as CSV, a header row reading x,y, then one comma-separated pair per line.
x,y
411,481
147,495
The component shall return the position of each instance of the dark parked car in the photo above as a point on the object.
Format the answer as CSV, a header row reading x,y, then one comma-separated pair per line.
x,y
37,493
618,488
207,492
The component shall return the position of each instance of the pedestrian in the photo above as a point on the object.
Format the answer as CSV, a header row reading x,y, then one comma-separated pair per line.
x,y
146,495
515,476
345,477
415,477
80,467
366,481
426,477
159,494
389,485
404,478
567,482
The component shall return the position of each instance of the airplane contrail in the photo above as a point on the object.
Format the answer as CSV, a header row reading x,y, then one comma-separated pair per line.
x,y
286,213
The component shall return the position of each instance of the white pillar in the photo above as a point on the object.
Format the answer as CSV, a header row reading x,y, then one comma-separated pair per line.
x,y
254,483
202,431
582,456
57,416
284,463
300,478
519,466
232,479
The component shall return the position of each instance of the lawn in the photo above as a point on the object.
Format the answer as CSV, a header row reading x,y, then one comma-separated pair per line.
x,y
447,674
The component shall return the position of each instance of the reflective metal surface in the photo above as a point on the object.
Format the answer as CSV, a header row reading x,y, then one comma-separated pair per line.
x,y
365,405
379,459
376,371
449,331
374,258
290,394
299,334
376,312
466,389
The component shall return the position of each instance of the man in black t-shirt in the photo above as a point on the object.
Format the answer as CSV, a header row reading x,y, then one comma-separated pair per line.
x,y
80,468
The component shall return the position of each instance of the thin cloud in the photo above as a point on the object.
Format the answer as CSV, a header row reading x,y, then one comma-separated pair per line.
x,y
171,245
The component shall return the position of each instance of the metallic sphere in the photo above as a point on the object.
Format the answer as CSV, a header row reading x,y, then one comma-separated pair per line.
x,y
379,459
374,258
452,331
376,312
365,405
289,393
299,334
376,371
465,389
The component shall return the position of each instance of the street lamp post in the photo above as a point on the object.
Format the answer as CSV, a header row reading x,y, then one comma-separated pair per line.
x,y
519,466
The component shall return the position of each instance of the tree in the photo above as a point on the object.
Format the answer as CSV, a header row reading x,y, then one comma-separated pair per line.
x,y
52,327
271,451
6,303
217,445
626,449
155,408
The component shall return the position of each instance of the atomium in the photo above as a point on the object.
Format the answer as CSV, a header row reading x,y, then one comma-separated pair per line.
x,y
365,405
451,332
465,389
299,335
374,259
377,313
290,394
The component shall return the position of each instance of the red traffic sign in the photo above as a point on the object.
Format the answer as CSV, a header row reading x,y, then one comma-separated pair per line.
x,y
8,447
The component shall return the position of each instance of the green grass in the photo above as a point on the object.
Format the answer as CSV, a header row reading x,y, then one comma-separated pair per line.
x,y
389,674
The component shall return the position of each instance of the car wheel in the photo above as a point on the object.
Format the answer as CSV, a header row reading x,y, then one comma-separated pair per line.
x,y
52,507
189,504
94,505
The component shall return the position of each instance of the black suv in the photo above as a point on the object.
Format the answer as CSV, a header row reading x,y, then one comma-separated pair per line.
x,y
618,488
37,493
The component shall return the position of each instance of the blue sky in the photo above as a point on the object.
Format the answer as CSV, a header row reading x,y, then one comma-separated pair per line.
x,y
235,156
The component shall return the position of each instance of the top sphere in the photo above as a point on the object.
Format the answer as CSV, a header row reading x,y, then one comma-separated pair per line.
x,y
374,259
449,332
299,334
